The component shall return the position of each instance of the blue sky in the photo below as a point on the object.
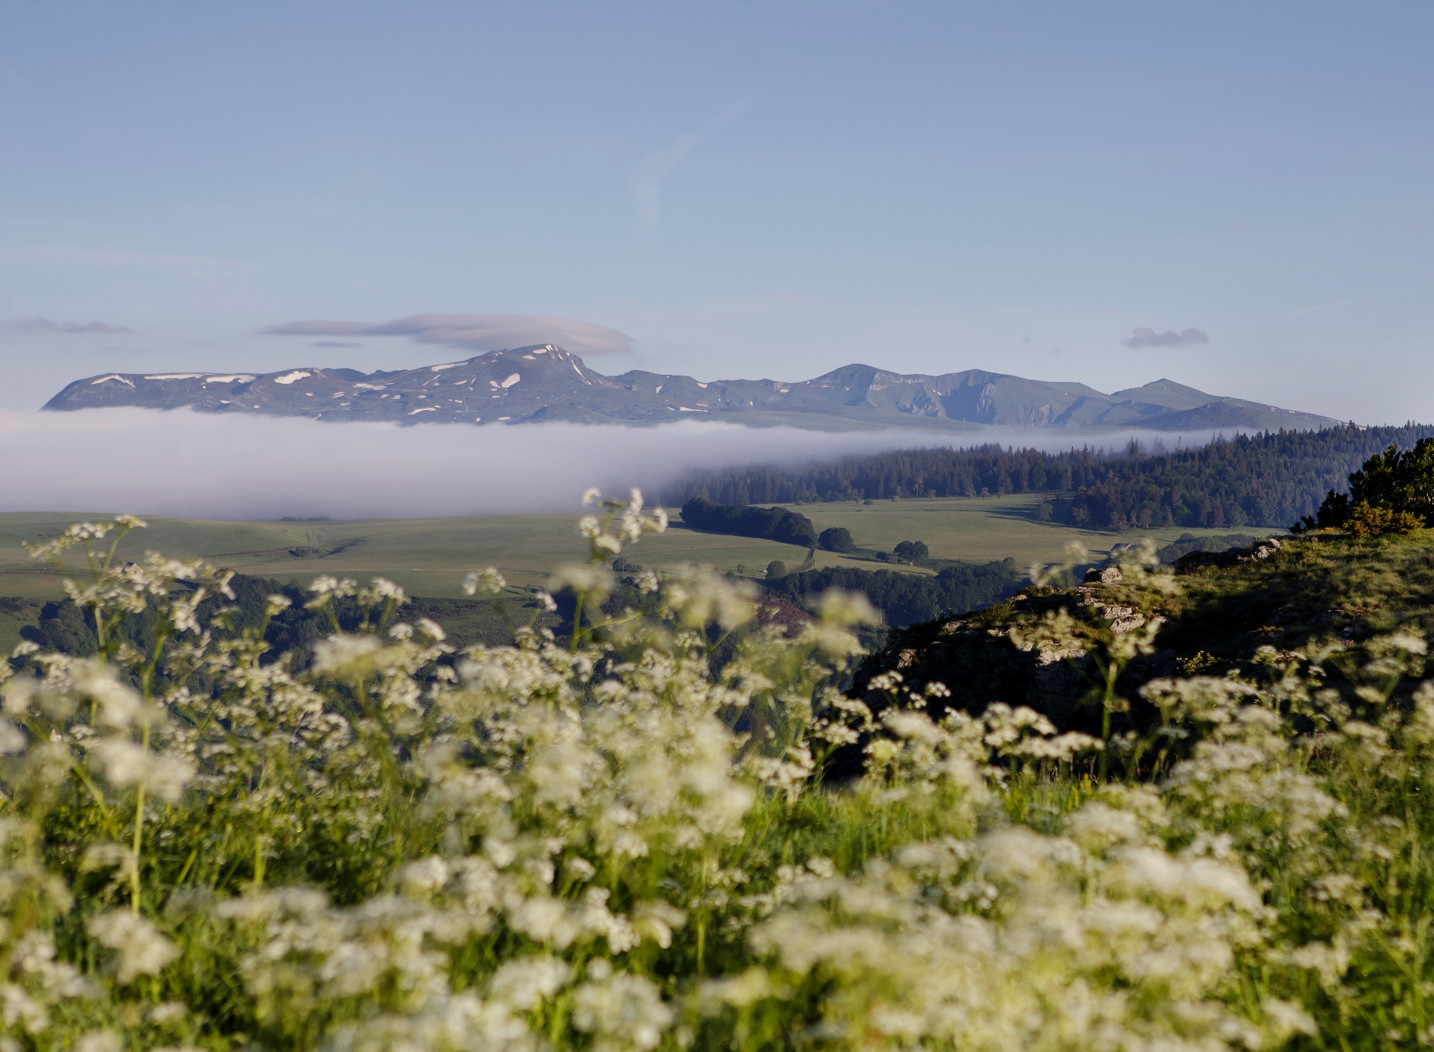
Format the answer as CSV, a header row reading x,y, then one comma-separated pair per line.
x,y
769,188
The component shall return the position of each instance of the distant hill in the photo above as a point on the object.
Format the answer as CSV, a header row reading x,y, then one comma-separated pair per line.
x,y
542,383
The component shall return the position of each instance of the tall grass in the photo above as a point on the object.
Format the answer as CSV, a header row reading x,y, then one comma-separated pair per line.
x,y
623,842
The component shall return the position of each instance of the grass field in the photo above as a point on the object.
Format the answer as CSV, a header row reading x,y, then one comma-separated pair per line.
x,y
430,556
976,529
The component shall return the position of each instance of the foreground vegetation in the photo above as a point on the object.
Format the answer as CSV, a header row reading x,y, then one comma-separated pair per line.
x,y
627,842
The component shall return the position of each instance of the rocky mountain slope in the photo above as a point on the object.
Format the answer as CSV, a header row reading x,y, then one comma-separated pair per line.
x,y
543,383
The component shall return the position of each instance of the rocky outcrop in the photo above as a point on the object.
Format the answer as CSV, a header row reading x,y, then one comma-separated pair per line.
x,y
1258,552
979,666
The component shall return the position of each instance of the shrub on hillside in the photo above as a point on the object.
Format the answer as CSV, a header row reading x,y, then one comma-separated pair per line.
x,y
1392,492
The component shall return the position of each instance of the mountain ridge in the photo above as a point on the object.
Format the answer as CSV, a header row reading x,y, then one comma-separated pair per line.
x,y
546,383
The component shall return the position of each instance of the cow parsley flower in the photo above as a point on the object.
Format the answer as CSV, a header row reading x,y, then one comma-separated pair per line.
x,y
140,947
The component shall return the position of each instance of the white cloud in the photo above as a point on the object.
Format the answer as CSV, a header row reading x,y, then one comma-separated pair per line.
x,y
1168,338
46,325
479,332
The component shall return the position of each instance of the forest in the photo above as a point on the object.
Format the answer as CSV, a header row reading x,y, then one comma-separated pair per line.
x,y
1274,478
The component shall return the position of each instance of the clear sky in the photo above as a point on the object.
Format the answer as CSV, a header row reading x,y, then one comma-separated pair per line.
x,y
771,188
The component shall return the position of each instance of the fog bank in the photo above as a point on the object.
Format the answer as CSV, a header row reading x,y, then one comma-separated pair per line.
x,y
183,463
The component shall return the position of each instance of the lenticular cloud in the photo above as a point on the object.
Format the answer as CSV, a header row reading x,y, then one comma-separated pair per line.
x,y
475,332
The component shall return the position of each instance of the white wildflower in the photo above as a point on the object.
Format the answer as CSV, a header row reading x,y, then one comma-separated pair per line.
x,y
141,948
126,764
12,739
526,982
341,652
487,581
119,704
623,1011
426,875
847,608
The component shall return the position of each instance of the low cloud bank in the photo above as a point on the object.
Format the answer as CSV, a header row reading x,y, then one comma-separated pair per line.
x,y
191,464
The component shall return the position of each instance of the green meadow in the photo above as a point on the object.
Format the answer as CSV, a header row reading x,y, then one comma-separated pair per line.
x,y
430,556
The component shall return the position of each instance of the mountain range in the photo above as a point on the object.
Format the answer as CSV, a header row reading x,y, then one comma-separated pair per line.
x,y
547,383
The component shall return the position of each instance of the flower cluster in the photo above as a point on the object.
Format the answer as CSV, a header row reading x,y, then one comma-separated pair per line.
x,y
623,839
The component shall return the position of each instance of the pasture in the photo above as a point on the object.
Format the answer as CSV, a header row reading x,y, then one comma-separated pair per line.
x,y
430,556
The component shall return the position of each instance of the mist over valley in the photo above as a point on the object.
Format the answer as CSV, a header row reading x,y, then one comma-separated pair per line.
x,y
196,464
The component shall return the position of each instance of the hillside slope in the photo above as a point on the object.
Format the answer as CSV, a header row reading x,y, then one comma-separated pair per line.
x,y
1237,613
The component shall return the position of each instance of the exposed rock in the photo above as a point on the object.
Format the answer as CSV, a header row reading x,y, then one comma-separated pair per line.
x,y
1192,561
980,666
1106,575
1121,618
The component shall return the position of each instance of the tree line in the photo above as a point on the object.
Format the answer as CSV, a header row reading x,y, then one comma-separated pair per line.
x,y
773,524
1393,491
1267,479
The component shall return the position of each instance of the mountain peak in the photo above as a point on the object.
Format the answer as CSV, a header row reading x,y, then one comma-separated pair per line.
x,y
544,382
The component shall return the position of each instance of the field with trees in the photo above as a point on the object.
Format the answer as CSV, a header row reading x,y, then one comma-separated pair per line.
x,y
428,557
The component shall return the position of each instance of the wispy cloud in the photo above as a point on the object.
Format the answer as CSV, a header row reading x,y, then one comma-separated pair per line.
x,y
647,177
478,332
46,325
192,266
1168,338
333,343
1327,306
316,328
